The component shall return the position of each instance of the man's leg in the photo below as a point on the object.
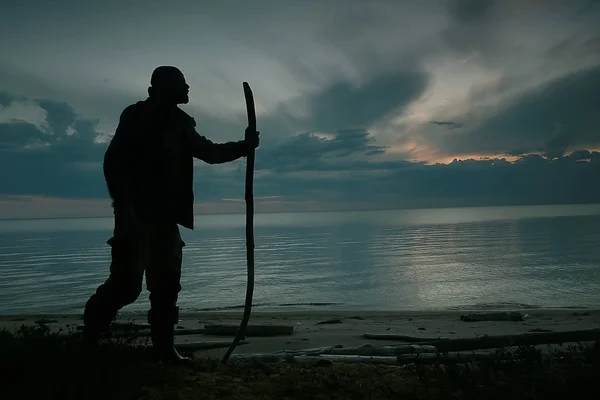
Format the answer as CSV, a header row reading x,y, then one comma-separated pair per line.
x,y
122,287
163,275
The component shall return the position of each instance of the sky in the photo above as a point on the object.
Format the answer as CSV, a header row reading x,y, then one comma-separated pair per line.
x,y
361,104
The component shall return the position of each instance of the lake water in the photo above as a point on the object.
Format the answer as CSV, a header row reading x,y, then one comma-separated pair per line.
x,y
456,258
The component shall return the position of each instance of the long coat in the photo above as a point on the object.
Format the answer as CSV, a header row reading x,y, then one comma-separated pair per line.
x,y
149,167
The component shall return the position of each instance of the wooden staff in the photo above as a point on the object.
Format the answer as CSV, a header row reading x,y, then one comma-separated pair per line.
x,y
250,110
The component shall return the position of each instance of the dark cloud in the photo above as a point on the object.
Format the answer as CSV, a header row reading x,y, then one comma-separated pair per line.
x,y
6,98
52,161
72,162
575,46
16,135
582,155
308,152
470,11
60,116
555,33
532,180
552,118
449,124
474,28
344,105
344,168
341,108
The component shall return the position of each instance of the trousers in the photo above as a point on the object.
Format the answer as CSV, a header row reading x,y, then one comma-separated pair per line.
x,y
155,249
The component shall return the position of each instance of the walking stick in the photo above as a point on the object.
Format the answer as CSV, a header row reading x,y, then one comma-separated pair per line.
x,y
249,224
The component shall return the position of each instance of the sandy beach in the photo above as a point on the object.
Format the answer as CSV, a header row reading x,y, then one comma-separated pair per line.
x,y
346,328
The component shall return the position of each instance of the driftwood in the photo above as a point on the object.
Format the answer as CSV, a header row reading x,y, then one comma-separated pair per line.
x,y
312,351
494,316
330,321
366,350
251,330
283,355
448,351
44,321
134,333
401,360
423,358
402,338
125,326
323,359
391,351
527,339
346,359
195,346
120,326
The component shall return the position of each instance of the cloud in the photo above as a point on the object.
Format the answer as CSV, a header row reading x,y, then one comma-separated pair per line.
x,y
346,91
339,150
59,158
347,105
344,168
449,124
551,119
470,11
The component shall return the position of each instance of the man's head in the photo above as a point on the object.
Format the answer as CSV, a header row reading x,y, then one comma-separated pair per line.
x,y
168,85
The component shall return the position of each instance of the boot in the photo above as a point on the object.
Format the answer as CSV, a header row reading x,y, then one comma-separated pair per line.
x,y
96,320
162,332
90,336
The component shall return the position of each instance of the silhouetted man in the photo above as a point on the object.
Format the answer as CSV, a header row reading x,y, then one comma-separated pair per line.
x,y
148,168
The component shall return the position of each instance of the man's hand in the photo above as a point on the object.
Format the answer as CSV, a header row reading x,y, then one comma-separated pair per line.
x,y
252,139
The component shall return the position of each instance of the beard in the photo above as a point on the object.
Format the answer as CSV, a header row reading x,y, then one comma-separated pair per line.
x,y
183,99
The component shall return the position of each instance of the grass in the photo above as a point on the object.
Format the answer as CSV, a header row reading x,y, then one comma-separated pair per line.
x,y
39,364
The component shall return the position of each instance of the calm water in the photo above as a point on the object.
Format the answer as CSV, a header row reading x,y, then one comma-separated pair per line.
x,y
385,260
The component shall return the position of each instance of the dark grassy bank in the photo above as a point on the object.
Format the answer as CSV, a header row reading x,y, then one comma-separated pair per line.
x,y
38,364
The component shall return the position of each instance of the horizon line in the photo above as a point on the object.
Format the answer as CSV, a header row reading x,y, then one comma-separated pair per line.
x,y
331,211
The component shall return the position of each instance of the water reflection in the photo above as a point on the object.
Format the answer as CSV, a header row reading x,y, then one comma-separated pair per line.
x,y
411,259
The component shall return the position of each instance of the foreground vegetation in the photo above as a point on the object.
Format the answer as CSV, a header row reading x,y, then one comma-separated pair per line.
x,y
36,363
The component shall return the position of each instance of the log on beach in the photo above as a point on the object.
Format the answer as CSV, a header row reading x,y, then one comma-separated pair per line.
x,y
493,316
346,359
196,346
527,339
390,351
121,326
365,350
135,333
400,360
126,326
401,338
45,321
251,330
405,359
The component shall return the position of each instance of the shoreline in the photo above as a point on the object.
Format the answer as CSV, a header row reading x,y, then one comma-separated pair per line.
x,y
280,311
319,328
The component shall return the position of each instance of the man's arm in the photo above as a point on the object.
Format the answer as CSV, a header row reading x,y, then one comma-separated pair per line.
x,y
213,153
217,153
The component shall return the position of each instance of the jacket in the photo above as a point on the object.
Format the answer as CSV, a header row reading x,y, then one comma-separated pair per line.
x,y
148,166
